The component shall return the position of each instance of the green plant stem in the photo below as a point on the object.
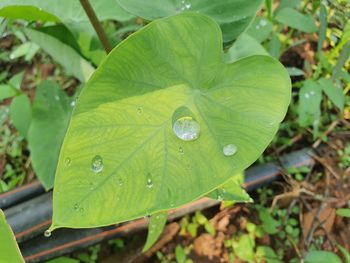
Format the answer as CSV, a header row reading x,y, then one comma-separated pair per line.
x,y
96,24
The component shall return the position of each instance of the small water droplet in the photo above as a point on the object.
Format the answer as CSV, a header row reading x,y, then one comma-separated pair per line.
x,y
97,164
186,129
263,22
120,182
81,209
139,110
188,6
307,95
73,102
76,206
67,161
257,26
229,149
181,150
57,97
312,93
47,233
149,183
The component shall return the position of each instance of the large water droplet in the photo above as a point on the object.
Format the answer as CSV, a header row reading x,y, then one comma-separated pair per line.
x,y
47,233
97,164
229,149
186,129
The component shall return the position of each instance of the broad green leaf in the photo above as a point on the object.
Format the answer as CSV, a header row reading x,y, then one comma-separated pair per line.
x,y
334,93
321,257
65,55
297,20
266,254
288,3
244,46
155,229
233,16
120,141
20,112
19,10
9,251
51,112
7,91
345,212
310,96
67,11
260,29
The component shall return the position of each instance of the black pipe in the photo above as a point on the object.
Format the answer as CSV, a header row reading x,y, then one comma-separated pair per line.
x,y
37,214
20,194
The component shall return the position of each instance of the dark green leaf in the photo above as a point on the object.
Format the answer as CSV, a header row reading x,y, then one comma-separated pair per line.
x,y
233,16
51,112
21,114
323,28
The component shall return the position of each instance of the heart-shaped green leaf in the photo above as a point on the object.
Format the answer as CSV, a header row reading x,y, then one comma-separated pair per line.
x,y
121,160
233,16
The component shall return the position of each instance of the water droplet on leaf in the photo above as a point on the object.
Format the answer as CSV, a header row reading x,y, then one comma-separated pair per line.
x,y
47,233
139,110
97,164
229,149
181,150
149,183
67,161
186,129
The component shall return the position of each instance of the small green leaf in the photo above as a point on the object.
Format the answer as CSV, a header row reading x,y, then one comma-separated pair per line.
x,y
321,257
26,50
297,20
244,248
267,255
343,57
50,117
344,212
209,228
244,46
180,254
124,115
334,93
269,224
21,113
7,91
9,251
310,96
233,16
155,229
65,55
295,71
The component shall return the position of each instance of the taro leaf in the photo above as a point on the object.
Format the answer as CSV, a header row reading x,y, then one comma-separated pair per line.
x,y
297,20
20,111
233,16
9,251
155,229
67,11
244,46
65,55
120,140
51,112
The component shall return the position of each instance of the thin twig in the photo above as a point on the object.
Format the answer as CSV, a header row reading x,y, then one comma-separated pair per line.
x,y
96,24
